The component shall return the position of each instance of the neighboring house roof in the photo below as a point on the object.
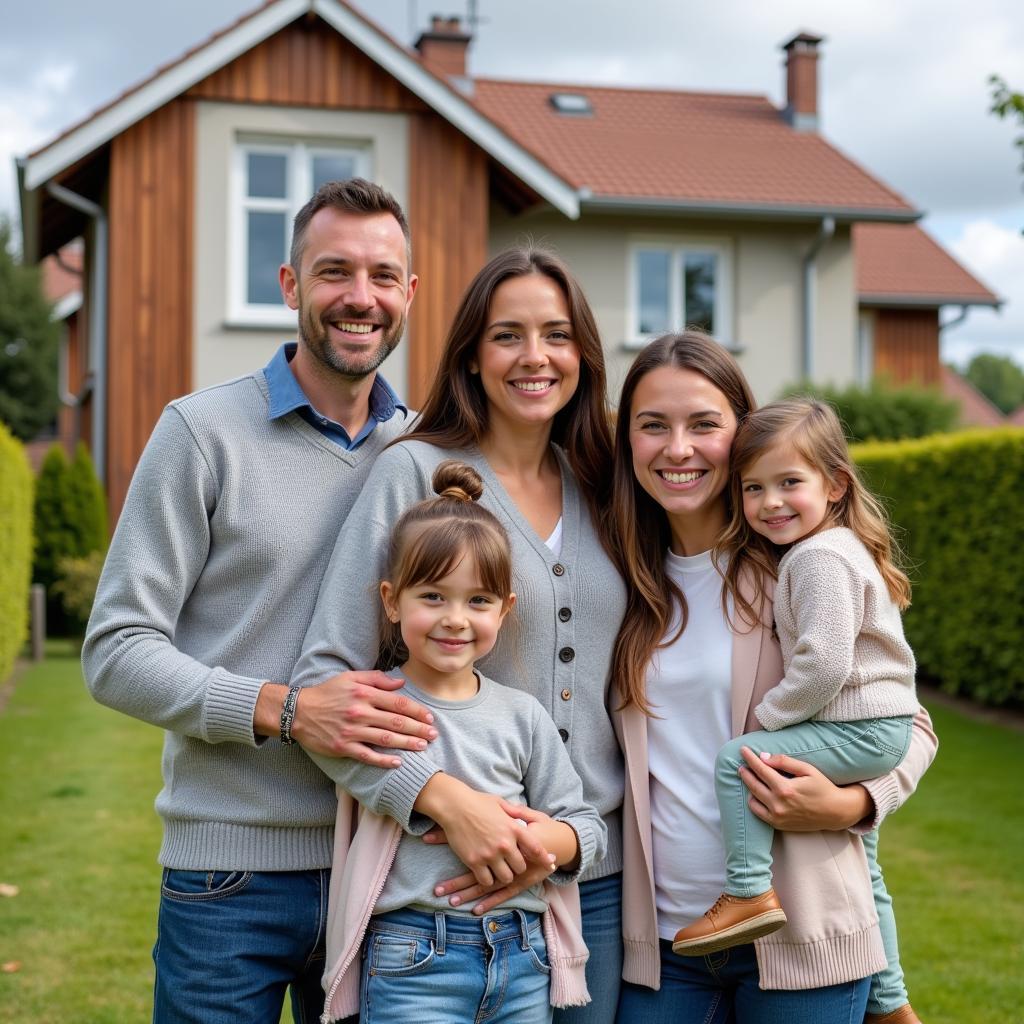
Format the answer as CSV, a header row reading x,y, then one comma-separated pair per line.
x,y
1016,418
222,48
975,409
689,150
901,265
62,281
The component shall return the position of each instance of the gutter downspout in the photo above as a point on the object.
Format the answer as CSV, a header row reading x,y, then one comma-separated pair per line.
x,y
97,321
958,319
826,230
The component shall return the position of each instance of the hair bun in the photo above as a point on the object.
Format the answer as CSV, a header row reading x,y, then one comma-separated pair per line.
x,y
457,481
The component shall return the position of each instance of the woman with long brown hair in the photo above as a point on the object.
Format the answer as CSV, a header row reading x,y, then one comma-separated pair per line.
x,y
519,396
690,664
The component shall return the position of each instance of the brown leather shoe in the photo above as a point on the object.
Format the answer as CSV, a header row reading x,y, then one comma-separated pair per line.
x,y
730,922
904,1015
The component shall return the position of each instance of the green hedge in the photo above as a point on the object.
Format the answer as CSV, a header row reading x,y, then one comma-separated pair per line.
x,y
15,548
886,412
957,501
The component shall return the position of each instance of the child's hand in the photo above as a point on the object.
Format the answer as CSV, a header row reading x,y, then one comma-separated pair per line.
x,y
794,796
481,832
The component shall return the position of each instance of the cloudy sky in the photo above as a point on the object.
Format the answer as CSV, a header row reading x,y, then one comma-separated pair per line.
x,y
903,88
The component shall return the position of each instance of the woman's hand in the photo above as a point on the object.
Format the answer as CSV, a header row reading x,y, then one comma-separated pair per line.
x,y
485,832
802,799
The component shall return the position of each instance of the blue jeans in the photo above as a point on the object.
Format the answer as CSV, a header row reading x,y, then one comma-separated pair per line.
x,y
229,943
844,751
723,989
601,903
454,969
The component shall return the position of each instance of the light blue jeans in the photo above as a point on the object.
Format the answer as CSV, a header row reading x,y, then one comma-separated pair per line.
x,y
455,969
846,752
723,989
601,904
230,943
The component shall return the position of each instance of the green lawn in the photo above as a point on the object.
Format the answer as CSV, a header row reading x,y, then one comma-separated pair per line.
x,y
79,838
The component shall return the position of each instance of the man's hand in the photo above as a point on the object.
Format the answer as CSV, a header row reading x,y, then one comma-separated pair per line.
x,y
343,715
487,838
806,802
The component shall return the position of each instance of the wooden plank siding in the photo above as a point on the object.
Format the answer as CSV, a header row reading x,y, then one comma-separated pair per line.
x,y
307,64
448,200
906,346
149,342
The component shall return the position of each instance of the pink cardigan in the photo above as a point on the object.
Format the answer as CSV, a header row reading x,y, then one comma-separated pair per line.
x,y
821,877
365,845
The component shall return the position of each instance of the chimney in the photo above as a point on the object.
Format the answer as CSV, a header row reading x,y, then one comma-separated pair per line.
x,y
443,50
802,81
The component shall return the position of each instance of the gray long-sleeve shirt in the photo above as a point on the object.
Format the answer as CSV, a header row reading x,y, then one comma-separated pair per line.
x,y
557,646
499,741
207,590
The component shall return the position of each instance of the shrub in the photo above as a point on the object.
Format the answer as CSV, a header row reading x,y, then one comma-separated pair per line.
x,y
70,522
882,412
956,500
15,547
76,586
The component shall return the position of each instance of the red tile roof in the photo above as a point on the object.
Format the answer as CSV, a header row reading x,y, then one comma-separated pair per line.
x,y
975,409
64,276
901,264
687,147
1016,418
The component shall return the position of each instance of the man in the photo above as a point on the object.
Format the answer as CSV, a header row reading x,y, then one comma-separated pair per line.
x,y
208,588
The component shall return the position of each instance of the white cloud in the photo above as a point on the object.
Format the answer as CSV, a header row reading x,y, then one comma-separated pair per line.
x,y
995,254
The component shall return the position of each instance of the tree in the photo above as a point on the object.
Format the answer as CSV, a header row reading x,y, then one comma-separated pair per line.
x,y
1008,104
999,379
28,346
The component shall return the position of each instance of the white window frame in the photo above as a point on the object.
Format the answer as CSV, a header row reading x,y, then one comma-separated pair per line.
x,y
300,154
678,249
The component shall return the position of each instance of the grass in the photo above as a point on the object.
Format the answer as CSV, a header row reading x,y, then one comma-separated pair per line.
x,y
80,837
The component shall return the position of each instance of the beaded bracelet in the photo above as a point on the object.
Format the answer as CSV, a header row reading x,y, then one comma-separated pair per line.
x,y
288,715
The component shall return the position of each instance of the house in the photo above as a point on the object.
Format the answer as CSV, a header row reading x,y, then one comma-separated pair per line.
x,y
672,207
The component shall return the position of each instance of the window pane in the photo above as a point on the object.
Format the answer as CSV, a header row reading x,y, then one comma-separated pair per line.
x,y
652,279
701,270
268,175
332,167
266,252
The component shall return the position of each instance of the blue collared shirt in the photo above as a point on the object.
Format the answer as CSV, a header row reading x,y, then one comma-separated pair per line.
x,y
287,396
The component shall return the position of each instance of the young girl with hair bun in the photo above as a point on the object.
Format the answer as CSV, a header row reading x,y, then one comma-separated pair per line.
x,y
447,592
847,699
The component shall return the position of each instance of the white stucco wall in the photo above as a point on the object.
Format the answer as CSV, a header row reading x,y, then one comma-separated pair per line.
x,y
764,286
222,348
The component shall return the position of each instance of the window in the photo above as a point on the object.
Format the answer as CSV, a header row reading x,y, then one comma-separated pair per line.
x,y
571,103
677,286
272,180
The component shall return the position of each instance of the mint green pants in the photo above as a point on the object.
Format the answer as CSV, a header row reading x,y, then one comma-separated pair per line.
x,y
845,752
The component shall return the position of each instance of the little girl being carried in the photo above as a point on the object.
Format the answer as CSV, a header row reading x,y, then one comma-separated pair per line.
x,y
448,590
847,698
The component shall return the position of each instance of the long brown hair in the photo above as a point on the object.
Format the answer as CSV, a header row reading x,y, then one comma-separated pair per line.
x,y
814,431
455,414
641,526
432,536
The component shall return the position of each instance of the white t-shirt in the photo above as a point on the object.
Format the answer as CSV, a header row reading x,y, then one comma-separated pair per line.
x,y
689,687
554,542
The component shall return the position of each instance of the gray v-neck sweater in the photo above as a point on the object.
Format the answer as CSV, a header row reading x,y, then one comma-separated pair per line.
x,y
557,646
208,588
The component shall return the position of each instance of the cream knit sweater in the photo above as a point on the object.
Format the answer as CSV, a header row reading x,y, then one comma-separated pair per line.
x,y
841,634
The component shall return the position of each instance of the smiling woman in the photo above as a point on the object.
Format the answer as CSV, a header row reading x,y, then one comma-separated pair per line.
x,y
519,396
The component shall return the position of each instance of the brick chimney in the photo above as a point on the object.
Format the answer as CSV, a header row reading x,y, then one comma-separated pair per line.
x,y
443,49
802,81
